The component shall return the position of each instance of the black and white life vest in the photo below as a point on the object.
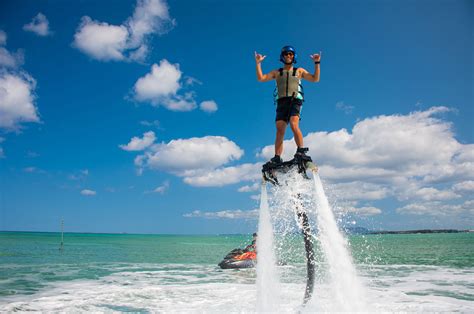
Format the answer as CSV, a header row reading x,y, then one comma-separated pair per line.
x,y
288,85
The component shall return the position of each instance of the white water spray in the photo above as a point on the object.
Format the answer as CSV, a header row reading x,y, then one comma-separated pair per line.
x,y
267,278
347,290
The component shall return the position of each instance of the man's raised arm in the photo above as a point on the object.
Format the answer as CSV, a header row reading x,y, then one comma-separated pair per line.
x,y
313,77
260,76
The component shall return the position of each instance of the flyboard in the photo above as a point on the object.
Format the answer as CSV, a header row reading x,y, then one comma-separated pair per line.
x,y
270,172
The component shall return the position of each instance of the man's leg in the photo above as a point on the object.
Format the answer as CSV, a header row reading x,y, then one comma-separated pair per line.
x,y
280,134
294,124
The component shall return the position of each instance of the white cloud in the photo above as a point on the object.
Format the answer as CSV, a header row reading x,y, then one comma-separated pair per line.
x,y
138,144
364,211
140,54
100,40
17,100
417,209
208,106
34,170
394,142
128,41
394,156
154,123
38,25
465,186
437,208
465,154
188,80
29,169
224,214
347,109
255,197
432,194
359,190
199,161
2,153
356,173
191,155
386,148
3,38
11,60
79,175
87,192
225,176
161,87
250,188
150,16
179,103
162,81
160,189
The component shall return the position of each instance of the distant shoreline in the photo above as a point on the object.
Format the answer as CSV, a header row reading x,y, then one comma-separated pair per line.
x,y
361,230
352,231
421,231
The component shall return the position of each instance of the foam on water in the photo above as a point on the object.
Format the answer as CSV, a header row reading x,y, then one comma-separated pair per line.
x,y
203,288
267,277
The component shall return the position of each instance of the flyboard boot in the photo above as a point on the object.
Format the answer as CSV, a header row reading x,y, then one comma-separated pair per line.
x,y
268,169
302,161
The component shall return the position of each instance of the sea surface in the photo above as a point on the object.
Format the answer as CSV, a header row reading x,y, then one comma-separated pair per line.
x,y
177,273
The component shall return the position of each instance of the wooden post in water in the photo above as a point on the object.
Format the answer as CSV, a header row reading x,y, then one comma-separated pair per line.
x,y
61,248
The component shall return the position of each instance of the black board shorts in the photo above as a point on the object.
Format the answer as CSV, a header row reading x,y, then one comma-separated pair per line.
x,y
288,107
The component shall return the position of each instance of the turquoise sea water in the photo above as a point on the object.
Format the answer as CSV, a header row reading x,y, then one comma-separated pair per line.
x,y
122,272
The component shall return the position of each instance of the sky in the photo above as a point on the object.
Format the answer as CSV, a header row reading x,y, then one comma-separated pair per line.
x,y
146,116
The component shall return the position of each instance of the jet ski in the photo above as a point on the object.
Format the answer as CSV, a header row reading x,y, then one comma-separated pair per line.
x,y
238,258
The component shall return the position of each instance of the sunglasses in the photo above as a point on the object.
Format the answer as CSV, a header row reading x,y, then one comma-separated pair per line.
x,y
288,54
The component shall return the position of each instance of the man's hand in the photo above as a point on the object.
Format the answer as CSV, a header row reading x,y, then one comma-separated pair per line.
x,y
316,57
260,76
259,58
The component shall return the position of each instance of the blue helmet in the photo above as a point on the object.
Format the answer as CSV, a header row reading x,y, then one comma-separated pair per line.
x,y
288,49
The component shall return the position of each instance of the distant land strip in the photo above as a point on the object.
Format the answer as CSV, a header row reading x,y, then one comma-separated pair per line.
x,y
421,231
362,230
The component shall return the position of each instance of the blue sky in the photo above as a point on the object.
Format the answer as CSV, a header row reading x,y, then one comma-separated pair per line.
x,y
146,117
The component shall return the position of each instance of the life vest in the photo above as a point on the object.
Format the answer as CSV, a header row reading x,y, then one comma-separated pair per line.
x,y
288,85
247,255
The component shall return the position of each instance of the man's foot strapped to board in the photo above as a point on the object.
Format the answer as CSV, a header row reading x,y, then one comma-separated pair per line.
x,y
276,165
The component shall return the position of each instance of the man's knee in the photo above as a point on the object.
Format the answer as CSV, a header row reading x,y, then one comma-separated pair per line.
x,y
294,125
281,126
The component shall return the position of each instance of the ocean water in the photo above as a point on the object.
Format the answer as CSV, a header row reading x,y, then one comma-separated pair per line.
x,y
167,273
